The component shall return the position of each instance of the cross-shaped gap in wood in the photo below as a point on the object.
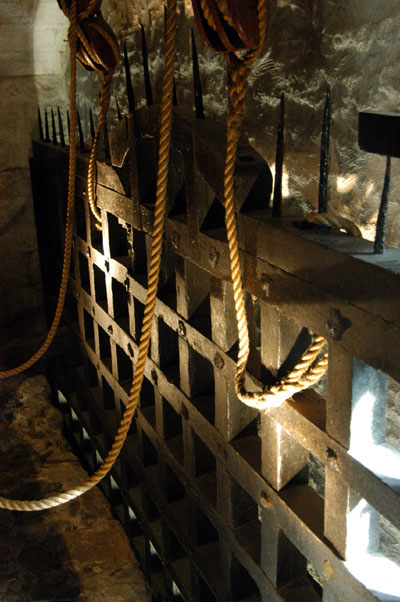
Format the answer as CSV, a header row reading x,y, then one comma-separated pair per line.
x,y
247,526
205,467
100,287
121,304
201,375
172,428
147,402
242,585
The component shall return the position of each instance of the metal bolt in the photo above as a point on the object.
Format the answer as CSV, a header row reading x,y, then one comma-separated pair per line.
x,y
218,361
107,266
333,333
93,310
265,501
265,284
328,569
181,329
213,257
126,284
175,240
110,329
332,460
184,412
88,251
130,350
154,376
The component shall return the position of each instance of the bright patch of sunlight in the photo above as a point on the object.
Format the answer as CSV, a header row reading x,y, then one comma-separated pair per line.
x,y
346,183
285,180
379,574
382,459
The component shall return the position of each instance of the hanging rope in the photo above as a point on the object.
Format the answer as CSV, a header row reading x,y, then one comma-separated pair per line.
x,y
93,43
334,221
72,36
97,50
154,270
304,373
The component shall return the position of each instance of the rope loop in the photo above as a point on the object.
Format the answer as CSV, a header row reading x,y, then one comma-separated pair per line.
x,y
96,48
309,369
154,269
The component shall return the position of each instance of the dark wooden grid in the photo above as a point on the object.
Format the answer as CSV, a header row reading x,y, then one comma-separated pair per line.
x,y
216,499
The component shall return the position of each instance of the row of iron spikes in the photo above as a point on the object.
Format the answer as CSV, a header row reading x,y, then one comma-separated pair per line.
x,y
199,111
324,159
380,232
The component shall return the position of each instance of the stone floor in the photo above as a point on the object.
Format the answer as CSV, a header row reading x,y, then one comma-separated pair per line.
x,y
76,552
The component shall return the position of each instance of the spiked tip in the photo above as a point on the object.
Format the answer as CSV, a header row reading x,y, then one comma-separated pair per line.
x,y
91,122
129,88
198,94
106,143
118,110
41,136
53,127
46,126
277,201
60,127
324,163
147,82
379,244
80,131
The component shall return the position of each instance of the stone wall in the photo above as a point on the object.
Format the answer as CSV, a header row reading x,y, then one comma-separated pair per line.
x,y
352,46
32,73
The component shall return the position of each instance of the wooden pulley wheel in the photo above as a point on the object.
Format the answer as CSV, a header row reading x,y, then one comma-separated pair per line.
x,y
245,18
228,25
98,50
81,6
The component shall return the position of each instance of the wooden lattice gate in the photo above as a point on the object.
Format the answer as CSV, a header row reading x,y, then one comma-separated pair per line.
x,y
220,502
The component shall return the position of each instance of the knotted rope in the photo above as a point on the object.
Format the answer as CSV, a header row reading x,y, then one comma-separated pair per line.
x,y
97,50
93,43
154,270
72,36
334,221
304,373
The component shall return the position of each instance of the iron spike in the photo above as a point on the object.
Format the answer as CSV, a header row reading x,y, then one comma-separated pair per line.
x,y
80,131
106,144
69,126
53,127
46,126
129,88
91,122
280,148
324,162
61,127
118,110
145,59
379,244
41,136
198,95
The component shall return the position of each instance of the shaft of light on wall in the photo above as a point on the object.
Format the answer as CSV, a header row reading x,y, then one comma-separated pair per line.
x,y
285,179
346,183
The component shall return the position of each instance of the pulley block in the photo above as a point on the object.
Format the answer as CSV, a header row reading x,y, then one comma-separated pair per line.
x,y
228,25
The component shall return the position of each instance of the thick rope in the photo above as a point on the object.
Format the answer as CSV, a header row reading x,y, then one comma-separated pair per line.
x,y
104,103
303,375
154,270
334,221
70,208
